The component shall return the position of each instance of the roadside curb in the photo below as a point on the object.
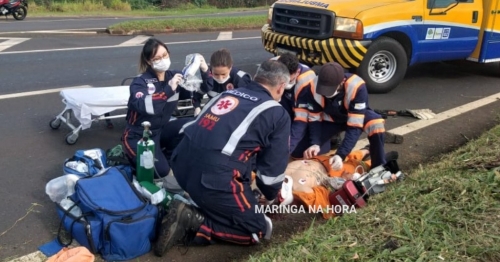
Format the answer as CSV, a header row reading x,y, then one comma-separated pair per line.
x,y
173,30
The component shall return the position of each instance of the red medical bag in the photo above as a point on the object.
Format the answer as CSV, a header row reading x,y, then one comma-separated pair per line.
x,y
347,196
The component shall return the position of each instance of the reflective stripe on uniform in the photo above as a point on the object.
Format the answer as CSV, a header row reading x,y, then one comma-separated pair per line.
x,y
242,129
203,110
270,180
300,114
375,126
212,93
355,120
352,85
148,102
314,117
173,98
326,117
302,80
317,97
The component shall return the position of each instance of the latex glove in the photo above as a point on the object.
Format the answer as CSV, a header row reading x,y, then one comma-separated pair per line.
x,y
312,151
175,81
203,64
197,111
336,162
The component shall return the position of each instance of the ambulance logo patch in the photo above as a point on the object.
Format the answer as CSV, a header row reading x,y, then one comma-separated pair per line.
x,y
229,86
139,94
224,105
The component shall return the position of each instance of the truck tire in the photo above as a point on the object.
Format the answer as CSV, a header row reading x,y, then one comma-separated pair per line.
x,y
384,65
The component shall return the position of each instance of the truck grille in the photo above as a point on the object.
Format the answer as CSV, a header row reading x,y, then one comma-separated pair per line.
x,y
303,22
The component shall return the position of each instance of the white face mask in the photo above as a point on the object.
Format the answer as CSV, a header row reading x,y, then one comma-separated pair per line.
x,y
162,65
290,85
222,81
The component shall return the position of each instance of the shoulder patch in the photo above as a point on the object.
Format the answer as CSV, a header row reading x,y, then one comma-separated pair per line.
x,y
139,94
151,88
224,105
229,86
359,106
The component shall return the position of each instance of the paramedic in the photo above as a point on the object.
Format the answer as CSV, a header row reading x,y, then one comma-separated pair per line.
x,y
343,98
224,76
153,98
212,163
295,100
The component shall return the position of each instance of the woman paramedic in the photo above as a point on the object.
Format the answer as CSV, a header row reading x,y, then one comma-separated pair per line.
x,y
223,77
153,98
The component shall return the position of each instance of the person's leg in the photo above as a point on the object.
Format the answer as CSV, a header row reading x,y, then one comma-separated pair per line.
x,y
374,127
170,137
129,141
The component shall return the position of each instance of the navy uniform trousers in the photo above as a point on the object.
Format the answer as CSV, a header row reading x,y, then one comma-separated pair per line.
x,y
221,188
329,129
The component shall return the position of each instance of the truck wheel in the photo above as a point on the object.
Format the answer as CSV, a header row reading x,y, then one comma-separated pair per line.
x,y
384,65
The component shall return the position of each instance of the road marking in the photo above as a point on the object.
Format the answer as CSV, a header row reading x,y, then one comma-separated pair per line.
x,y
58,31
138,40
11,41
115,46
39,92
225,36
419,124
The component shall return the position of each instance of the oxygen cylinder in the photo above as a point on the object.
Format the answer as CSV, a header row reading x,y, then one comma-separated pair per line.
x,y
145,155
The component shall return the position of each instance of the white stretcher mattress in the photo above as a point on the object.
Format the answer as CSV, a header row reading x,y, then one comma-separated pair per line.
x,y
95,101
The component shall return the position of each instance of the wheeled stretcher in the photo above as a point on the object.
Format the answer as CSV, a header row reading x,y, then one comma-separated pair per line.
x,y
92,104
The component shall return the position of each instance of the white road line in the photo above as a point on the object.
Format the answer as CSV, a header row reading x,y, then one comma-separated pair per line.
x,y
225,36
138,40
39,92
419,124
58,31
11,41
116,46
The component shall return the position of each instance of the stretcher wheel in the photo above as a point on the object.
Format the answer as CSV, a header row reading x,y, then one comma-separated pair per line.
x,y
71,138
55,123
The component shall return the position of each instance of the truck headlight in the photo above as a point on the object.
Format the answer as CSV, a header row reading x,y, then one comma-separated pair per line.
x,y
348,28
270,14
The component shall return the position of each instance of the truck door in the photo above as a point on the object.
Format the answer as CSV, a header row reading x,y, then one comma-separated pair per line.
x,y
451,29
490,50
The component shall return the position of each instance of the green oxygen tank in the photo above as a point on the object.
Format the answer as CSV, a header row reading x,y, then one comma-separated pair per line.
x,y
145,155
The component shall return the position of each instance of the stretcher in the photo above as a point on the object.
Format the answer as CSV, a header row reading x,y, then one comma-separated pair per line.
x,y
93,104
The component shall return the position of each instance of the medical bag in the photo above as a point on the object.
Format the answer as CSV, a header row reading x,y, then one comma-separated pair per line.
x,y
109,216
85,162
347,196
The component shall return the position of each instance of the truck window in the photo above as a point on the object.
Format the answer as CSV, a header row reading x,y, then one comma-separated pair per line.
x,y
443,3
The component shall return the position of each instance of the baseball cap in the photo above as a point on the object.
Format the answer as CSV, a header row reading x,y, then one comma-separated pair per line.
x,y
329,78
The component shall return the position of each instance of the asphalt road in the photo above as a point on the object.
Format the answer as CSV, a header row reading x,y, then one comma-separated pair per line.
x,y
33,153
62,23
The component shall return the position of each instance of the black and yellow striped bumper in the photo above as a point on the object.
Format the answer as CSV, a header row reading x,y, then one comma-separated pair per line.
x,y
348,53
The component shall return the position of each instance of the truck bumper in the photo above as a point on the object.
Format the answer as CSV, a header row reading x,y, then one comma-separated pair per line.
x,y
348,53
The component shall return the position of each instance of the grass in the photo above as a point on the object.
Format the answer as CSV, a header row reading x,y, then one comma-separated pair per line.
x,y
444,211
118,8
193,24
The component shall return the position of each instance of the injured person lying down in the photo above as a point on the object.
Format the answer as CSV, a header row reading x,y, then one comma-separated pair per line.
x,y
310,182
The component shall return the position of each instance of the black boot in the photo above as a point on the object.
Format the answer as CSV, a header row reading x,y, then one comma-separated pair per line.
x,y
181,220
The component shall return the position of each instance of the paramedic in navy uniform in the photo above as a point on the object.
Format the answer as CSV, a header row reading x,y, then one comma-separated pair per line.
x,y
153,97
213,164
343,100
223,76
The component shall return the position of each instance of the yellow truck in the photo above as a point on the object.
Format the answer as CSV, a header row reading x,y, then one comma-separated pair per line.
x,y
379,40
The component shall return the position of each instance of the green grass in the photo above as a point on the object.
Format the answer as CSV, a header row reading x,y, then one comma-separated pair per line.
x,y
445,211
118,8
193,24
